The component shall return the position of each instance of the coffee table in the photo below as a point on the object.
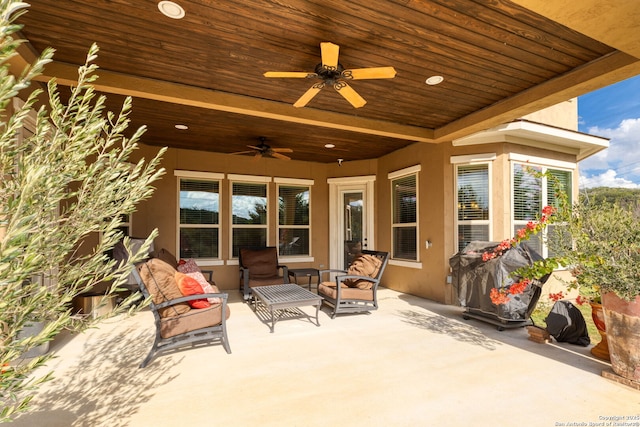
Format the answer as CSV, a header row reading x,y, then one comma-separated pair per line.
x,y
281,297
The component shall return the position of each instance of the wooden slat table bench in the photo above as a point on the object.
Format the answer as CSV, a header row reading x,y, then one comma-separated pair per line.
x,y
281,297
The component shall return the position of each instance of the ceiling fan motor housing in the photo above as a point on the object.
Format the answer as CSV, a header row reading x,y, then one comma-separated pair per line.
x,y
329,74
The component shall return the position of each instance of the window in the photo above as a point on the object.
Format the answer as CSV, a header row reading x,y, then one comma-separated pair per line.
x,y
125,227
248,214
293,220
199,225
404,232
473,209
531,193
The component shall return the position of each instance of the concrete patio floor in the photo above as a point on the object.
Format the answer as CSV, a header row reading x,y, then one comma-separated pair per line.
x,y
411,363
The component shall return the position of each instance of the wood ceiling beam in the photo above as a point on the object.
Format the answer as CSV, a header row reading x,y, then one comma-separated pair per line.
x,y
612,22
607,70
110,82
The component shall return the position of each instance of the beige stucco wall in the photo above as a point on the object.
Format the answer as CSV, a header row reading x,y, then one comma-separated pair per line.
x,y
563,115
161,210
436,195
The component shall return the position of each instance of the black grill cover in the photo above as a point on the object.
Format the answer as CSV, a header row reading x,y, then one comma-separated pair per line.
x,y
473,280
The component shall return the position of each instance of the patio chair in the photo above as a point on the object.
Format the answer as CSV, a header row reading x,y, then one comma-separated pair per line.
x,y
171,259
177,323
355,289
260,267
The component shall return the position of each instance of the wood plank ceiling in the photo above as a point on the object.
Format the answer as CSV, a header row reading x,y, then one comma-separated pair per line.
x,y
499,61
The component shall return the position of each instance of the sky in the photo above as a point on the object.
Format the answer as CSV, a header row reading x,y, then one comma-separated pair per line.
x,y
612,112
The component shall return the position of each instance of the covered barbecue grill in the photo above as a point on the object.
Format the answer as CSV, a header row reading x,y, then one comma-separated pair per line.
x,y
474,278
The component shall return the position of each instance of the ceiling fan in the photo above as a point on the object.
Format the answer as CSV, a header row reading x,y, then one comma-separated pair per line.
x,y
331,72
262,149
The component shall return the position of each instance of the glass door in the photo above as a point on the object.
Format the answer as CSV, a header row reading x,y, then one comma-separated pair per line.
x,y
353,237
351,219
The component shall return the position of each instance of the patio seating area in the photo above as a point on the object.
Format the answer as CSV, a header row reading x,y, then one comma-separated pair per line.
x,y
412,362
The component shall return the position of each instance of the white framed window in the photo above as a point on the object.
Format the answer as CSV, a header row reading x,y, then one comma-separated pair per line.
x,y
294,217
473,203
530,193
199,215
404,215
249,212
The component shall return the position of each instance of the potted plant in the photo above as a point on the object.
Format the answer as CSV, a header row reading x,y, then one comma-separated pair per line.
x,y
608,238
600,245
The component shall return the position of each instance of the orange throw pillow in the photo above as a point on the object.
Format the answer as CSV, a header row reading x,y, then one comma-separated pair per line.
x,y
190,286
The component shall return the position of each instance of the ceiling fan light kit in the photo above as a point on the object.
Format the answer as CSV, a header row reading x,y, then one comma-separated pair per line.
x,y
331,72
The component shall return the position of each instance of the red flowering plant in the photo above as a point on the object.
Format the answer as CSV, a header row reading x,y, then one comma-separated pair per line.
x,y
597,241
528,273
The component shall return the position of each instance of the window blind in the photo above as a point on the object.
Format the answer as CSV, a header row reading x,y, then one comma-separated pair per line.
x,y
293,220
473,192
405,214
199,202
404,198
199,218
249,203
527,193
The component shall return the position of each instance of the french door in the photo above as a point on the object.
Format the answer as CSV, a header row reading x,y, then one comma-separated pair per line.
x,y
351,218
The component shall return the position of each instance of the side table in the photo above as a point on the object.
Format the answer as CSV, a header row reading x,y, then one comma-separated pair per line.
x,y
296,273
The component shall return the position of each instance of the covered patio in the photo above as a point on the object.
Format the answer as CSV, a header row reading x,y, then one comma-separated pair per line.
x,y
412,362
415,361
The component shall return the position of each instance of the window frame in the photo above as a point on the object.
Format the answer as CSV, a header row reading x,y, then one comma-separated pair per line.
x,y
393,177
248,179
544,165
294,183
462,161
200,176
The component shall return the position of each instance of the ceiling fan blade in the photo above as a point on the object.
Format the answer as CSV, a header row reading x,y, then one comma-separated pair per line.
x,y
329,54
255,147
308,95
280,156
349,94
243,152
291,74
370,73
282,150
257,156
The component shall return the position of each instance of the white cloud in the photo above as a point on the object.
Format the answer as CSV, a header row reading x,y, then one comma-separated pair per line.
x,y
199,200
606,179
619,165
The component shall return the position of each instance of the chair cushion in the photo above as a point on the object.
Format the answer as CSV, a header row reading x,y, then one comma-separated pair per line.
x,y
330,290
262,263
166,256
189,286
364,265
194,319
159,279
207,287
188,266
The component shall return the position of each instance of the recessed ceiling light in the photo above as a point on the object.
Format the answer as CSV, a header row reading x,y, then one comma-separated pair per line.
x,y
171,9
329,146
434,80
181,127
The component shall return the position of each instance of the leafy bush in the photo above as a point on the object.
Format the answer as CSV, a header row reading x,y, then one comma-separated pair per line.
x,y
62,186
